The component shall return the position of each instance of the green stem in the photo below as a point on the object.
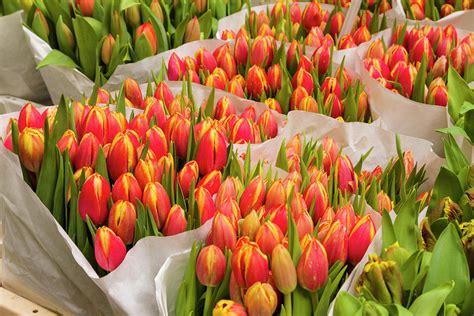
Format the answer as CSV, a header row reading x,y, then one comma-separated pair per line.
x,y
288,307
208,301
314,300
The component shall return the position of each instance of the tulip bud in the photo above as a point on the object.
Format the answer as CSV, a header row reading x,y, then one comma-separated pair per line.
x,y
312,15
122,156
273,104
241,50
336,243
249,265
68,141
122,218
205,59
109,249
224,232
188,173
31,148
437,93
163,92
395,54
321,59
304,79
175,221
40,25
440,67
132,92
360,238
250,225
346,42
458,57
261,51
86,6
261,299
317,200
446,9
126,188
157,200
94,198
298,95
235,88
253,196
346,177
146,30
312,269
224,107
283,270
336,23
228,308
383,202
205,204
87,151
29,117
228,64
210,266
176,69
193,30
257,82
274,77
66,40
268,236
211,151
95,122
362,35
376,49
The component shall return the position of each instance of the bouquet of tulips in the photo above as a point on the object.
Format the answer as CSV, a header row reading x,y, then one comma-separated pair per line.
x,y
259,70
91,165
413,272
97,36
306,23
433,10
298,237
409,67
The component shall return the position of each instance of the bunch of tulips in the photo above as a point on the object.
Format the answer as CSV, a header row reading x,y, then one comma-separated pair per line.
x,y
434,10
96,36
258,70
416,63
285,244
123,179
288,22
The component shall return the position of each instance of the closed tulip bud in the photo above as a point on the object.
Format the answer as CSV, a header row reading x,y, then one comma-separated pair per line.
x,y
298,205
422,47
249,113
109,249
193,30
205,204
178,132
126,188
346,216
228,308
261,299
163,92
224,234
294,50
336,23
94,198
274,77
257,82
132,92
249,265
304,224
261,51
458,57
334,105
304,79
229,188
210,266
445,47
325,223
31,148
214,81
87,150
122,156
402,74
228,64
224,107
147,171
253,196
122,218
157,200
235,88
336,243
377,68
383,202
230,208
186,175
139,125
40,25
279,215
360,238
66,39
227,35
312,269
116,123
346,177
376,49
205,59
68,141
156,9
321,58
176,69
268,236
312,15
283,270
395,54
241,50
331,85
276,195
147,30
437,94
297,97
446,9
86,7
362,35
29,117
154,108
96,123
250,225
211,151
175,221
211,181
346,41
469,41
242,132
273,104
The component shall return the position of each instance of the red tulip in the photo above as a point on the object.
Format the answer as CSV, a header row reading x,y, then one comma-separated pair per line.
x,y
279,216
188,173
273,104
336,243
147,30
346,42
176,68
94,198
109,249
297,96
122,156
175,221
31,148
210,266
437,93
376,49
241,50
346,215
257,82
261,51
421,48
304,79
336,23
163,92
96,123
268,236
122,218
157,200
228,308
362,35
211,151
249,265
29,117
223,232
86,6
235,88
205,204
126,188
261,299
312,15
224,107
312,269
229,188
346,177
360,238
274,77
253,196
205,59
87,151
317,200
321,59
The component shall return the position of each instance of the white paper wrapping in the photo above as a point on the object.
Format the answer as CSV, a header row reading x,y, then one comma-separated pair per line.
x,y
13,104
18,76
400,114
460,19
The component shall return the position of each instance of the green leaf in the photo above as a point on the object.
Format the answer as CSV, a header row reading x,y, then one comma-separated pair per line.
x,y
419,85
388,232
86,40
205,24
459,92
346,304
446,184
448,264
58,200
406,223
57,58
101,164
429,303
454,155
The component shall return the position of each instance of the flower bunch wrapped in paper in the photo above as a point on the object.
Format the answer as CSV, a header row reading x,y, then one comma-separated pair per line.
x,y
433,10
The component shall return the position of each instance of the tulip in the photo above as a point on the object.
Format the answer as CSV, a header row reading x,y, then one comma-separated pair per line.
x,y
211,152
189,173
446,9
210,266
146,171
205,204
228,308
304,79
253,196
346,177
122,156
193,30
383,202
279,215
376,49
249,113
157,200
87,150
68,141
402,74
250,225
126,188
268,236
132,16
458,57
346,42
437,94
440,67
95,122
241,50
298,95
205,59
261,299
377,68
249,265
304,224
283,270
224,107
122,218
229,188
109,249
336,23
274,77
261,51
312,269
257,82
273,104
86,6
175,221
321,59
312,15
228,64
317,200
156,9
362,35
235,88
276,195
227,35
29,117
445,47
294,50
242,131
215,81
223,232
140,125
163,92
132,92
176,69
360,238
394,54
336,243
94,198
147,30
31,148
